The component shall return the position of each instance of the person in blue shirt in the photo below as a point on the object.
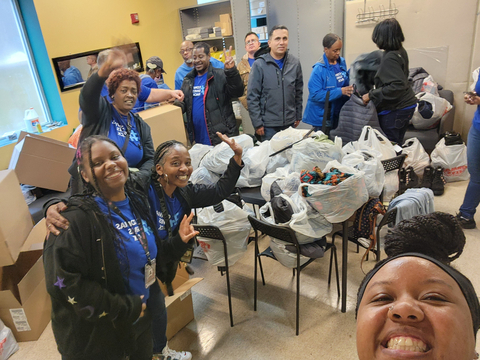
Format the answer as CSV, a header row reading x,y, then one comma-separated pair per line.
x,y
329,75
152,79
252,44
472,195
186,50
71,75
101,271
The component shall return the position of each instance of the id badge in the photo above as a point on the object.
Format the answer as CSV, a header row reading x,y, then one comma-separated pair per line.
x,y
150,273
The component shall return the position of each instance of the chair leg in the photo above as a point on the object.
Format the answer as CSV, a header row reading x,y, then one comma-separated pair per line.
x,y
378,245
330,267
260,262
255,273
293,272
358,249
298,296
336,271
228,284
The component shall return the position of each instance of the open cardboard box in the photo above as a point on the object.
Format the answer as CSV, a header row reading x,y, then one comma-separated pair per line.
x,y
180,305
15,219
42,162
166,123
24,302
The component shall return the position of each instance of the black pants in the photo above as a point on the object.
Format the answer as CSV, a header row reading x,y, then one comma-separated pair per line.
x,y
395,124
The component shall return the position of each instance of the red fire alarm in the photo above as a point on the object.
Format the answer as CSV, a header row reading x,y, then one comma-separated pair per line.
x,y
135,19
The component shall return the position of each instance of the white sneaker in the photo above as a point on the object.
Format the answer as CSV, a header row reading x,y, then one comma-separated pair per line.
x,y
169,354
365,242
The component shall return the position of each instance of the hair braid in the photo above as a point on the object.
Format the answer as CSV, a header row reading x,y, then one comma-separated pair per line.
x,y
160,154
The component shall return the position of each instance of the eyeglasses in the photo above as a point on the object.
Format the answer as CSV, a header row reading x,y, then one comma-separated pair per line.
x,y
185,50
253,41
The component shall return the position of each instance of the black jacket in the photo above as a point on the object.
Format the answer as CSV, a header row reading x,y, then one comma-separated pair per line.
x,y
392,88
222,86
96,119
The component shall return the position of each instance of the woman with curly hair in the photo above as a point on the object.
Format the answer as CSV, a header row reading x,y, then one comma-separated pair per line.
x,y
101,271
116,120
414,305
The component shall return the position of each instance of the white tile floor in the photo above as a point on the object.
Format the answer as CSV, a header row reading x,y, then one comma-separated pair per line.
x,y
269,333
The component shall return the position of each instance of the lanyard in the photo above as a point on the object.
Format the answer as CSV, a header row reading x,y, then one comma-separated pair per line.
x,y
142,238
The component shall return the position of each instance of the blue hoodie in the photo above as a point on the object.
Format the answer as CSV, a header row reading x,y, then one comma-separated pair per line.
x,y
322,80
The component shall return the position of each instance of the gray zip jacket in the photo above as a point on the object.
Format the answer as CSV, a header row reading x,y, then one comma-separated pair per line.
x,y
275,95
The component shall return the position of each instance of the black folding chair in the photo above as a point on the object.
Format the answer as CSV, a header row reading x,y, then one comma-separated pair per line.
x,y
286,234
213,232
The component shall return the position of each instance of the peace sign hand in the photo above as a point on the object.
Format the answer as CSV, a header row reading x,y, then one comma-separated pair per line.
x,y
227,55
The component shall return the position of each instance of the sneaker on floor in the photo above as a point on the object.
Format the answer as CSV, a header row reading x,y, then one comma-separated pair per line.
x,y
428,175
438,182
412,178
402,181
466,223
169,354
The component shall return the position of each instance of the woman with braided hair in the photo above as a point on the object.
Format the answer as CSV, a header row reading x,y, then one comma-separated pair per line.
x,y
413,304
100,270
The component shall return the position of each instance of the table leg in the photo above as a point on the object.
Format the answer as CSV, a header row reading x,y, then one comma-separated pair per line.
x,y
344,265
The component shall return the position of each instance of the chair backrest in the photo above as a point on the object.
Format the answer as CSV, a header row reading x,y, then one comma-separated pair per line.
x,y
394,163
283,233
209,231
389,217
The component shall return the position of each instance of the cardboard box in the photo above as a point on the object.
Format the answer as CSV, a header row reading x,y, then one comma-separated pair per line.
x,y
226,18
166,123
180,305
258,11
15,219
226,24
42,162
24,302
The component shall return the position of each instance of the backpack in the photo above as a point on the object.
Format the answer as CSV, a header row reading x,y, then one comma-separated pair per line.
x,y
366,221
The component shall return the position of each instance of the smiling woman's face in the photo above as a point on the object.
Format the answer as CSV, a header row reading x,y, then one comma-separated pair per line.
x,y
412,309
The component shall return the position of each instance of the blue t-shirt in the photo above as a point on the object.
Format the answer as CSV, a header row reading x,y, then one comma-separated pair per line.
x,y
137,259
251,61
118,132
72,76
198,110
184,69
280,62
476,117
148,82
175,210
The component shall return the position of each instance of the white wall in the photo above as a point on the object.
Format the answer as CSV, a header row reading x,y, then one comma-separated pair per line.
x,y
429,24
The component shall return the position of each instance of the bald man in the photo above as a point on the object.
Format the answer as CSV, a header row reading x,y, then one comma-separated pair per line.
x,y
186,50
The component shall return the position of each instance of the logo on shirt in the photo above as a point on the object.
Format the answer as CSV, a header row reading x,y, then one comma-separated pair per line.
x,y
340,76
198,90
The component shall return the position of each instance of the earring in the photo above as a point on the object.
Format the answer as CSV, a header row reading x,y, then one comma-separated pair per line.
x,y
476,356
166,178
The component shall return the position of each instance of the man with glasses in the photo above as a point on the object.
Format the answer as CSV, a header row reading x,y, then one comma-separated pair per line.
x,y
252,44
275,87
186,50
208,97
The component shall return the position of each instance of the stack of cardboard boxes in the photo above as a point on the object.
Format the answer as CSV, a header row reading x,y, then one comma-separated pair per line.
x,y
262,32
225,24
258,7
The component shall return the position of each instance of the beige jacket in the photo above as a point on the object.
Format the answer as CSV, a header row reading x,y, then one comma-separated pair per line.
x,y
244,70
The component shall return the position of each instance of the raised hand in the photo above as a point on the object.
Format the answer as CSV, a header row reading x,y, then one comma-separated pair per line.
x,y
227,55
186,230
237,149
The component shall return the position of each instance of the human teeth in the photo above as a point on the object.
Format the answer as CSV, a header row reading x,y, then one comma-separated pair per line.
x,y
183,177
407,344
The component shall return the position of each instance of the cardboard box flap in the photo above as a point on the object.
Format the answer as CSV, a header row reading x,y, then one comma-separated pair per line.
x,y
36,237
15,219
30,281
8,300
181,290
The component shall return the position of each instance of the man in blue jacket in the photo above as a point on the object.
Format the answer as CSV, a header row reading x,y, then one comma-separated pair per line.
x,y
275,87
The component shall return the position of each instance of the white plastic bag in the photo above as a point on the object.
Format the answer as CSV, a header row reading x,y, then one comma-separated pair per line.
x,y
217,159
288,182
256,160
374,139
203,176
197,152
338,203
368,162
309,153
8,344
453,159
440,107
308,224
430,85
285,257
417,157
235,227
286,137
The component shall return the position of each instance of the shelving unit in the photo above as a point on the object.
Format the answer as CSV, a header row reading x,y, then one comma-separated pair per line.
x,y
207,15
258,17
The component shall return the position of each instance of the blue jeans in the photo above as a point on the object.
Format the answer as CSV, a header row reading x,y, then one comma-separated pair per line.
x,y
158,312
395,124
472,195
270,131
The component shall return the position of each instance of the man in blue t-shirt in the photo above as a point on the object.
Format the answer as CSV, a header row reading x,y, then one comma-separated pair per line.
x,y
208,97
186,50
71,75
152,79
